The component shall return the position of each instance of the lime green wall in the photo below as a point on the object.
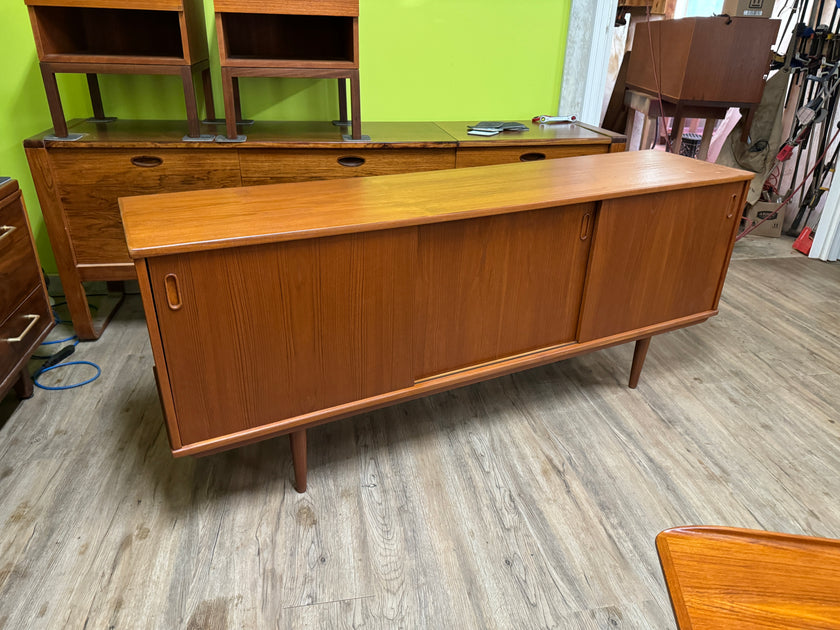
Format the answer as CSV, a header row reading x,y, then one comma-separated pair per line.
x,y
420,60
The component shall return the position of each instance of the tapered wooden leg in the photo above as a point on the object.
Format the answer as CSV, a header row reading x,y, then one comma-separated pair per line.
x,y
207,84
342,100
230,88
356,106
54,102
193,124
95,97
298,443
677,134
23,386
237,99
706,140
638,361
77,304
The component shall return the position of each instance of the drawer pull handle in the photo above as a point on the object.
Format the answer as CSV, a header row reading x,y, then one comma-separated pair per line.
x,y
732,203
33,319
351,161
6,230
146,161
531,157
585,224
173,295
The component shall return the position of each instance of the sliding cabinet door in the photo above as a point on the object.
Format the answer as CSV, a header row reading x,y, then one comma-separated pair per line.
x,y
657,258
253,335
495,287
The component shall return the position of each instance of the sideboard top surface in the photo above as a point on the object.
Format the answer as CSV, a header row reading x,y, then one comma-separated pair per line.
x,y
315,134
166,223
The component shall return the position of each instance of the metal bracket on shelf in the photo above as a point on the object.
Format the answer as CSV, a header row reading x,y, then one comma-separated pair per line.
x,y
205,137
70,137
224,139
349,138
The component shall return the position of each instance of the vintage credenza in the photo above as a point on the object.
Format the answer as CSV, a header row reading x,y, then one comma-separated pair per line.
x,y
291,305
78,183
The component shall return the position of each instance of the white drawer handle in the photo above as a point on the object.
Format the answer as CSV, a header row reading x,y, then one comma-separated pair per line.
x,y
34,320
6,230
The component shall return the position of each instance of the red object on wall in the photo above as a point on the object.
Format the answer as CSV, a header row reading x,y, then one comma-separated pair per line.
x,y
804,241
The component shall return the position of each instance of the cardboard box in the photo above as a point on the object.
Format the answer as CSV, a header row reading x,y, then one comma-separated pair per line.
x,y
760,211
748,8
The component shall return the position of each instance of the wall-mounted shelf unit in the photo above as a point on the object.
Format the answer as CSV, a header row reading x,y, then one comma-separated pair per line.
x,y
289,39
95,37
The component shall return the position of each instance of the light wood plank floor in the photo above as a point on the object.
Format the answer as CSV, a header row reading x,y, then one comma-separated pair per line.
x,y
530,501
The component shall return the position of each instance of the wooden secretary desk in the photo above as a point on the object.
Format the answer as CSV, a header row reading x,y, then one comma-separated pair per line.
x,y
291,305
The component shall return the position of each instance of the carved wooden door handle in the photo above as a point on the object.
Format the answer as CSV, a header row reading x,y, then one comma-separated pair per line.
x,y
173,293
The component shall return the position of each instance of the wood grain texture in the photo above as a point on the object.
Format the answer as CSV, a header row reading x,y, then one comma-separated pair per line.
x,y
129,36
91,180
474,156
721,578
105,258
653,260
498,286
25,316
684,50
537,134
19,268
260,335
289,7
28,324
277,167
516,503
269,39
263,134
152,5
361,204
425,387
55,220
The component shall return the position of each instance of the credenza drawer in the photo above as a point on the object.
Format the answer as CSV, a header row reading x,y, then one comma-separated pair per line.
x,y
485,156
91,180
297,165
22,328
19,271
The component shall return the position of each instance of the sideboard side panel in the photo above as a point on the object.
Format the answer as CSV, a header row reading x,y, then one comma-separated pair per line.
x,y
498,286
270,332
657,258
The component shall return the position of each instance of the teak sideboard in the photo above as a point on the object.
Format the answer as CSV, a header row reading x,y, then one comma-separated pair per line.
x,y
78,183
291,305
